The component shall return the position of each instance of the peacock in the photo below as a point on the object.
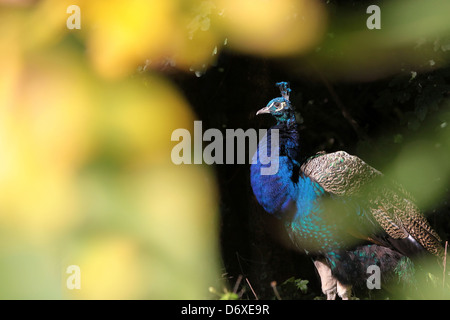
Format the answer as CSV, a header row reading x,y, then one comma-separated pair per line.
x,y
336,207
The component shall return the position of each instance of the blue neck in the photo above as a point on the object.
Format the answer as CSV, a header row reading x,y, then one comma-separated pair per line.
x,y
278,193
286,119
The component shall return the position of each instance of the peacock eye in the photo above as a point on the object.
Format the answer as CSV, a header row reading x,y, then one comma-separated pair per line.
x,y
280,106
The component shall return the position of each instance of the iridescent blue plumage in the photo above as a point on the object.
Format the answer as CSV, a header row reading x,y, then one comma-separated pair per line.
x,y
288,194
327,207
283,190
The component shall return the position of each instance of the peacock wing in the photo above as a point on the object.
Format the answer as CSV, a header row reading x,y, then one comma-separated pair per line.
x,y
342,174
339,173
396,212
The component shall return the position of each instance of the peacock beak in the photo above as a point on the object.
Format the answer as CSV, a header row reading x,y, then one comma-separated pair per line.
x,y
264,110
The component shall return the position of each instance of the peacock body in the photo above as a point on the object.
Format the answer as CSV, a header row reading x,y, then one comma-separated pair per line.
x,y
332,202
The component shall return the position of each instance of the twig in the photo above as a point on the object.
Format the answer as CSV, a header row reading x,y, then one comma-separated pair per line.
x,y
273,284
246,279
445,263
251,288
238,282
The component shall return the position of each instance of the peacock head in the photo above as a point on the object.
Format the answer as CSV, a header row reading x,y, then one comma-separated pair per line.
x,y
280,108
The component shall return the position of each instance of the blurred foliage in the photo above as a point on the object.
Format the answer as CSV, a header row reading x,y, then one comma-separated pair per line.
x,y
86,117
225,295
86,177
300,284
410,30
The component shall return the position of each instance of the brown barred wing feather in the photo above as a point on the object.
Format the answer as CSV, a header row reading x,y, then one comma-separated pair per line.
x,y
342,174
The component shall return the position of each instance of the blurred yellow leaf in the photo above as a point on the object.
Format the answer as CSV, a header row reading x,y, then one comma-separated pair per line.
x,y
43,139
111,267
122,34
136,121
197,36
45,24
86,176
273,27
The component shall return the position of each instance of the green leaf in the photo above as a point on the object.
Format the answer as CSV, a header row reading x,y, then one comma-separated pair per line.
x,y
229,296
302,285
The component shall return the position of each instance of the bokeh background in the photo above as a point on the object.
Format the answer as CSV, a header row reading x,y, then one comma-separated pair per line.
x,y
86,117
